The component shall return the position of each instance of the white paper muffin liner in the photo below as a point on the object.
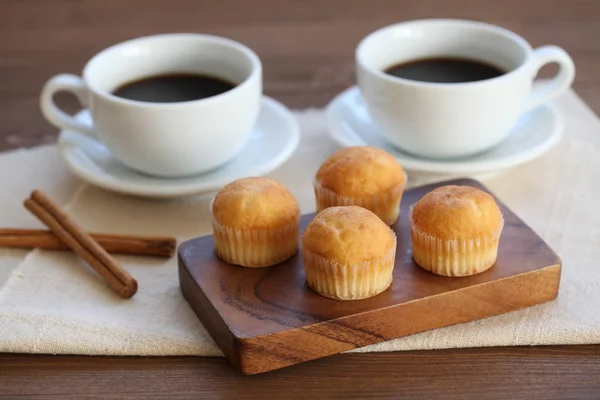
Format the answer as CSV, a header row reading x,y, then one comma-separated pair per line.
x,y
457,257
349,281
255,247
385,205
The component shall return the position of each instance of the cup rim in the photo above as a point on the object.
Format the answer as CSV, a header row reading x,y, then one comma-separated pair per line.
x,y
360,49
249,53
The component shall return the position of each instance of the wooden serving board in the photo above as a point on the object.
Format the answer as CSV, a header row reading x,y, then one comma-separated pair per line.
x,y
268,318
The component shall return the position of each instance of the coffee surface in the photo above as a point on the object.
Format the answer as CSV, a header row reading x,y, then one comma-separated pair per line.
x,y
173,88
445,70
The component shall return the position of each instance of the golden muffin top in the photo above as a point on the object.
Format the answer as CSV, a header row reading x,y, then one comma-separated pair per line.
x,y
348,235
360,171
254,203
457,212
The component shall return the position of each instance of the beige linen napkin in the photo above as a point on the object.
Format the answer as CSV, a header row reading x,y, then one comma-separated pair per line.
x,y
52,303
20,171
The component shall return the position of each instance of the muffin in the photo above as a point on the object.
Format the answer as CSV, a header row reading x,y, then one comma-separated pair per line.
x,y
362,176
255,223
455,231
348,253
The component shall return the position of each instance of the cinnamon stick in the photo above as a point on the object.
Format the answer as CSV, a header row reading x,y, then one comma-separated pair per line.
x,y
116,244
81,243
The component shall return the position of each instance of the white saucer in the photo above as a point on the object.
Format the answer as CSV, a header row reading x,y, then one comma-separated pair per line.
x,y
350,125
273,140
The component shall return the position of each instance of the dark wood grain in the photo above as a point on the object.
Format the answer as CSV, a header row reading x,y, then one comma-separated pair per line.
x,y
518,373
306,47
267,318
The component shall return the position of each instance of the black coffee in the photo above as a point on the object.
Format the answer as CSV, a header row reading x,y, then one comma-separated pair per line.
x,y
445,70
173,88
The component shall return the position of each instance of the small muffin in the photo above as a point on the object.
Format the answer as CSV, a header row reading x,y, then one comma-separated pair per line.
x,y
362,176
455,231
255,223
348,253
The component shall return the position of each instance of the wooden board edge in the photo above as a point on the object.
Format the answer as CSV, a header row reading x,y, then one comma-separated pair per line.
x,y
265,353
208,315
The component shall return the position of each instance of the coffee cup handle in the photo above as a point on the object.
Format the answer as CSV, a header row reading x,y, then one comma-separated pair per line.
x,y
547,91
56,116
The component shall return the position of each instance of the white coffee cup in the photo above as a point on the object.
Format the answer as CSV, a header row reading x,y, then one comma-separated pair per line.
x,y
445,120
165,139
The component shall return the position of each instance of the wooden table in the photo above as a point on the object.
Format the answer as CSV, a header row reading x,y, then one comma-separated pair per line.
x,y
307,52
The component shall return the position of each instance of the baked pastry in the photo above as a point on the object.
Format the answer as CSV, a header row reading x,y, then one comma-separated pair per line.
x,y
363,176
455,231
255,223
348,253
